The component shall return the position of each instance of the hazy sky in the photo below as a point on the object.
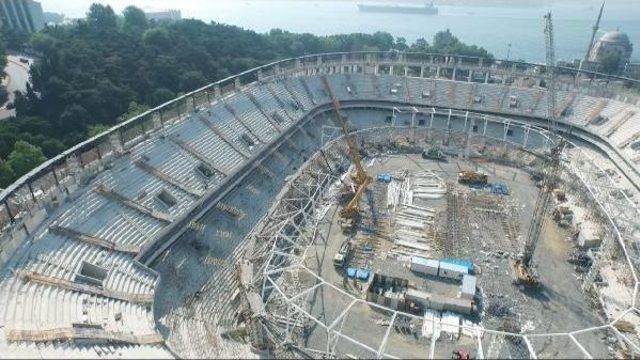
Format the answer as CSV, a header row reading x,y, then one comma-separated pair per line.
x,y
77,8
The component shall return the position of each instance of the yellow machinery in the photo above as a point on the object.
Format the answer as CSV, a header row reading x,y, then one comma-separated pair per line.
x,y
360,178
471,177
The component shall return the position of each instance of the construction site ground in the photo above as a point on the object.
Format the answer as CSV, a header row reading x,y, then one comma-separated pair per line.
x,y
489,232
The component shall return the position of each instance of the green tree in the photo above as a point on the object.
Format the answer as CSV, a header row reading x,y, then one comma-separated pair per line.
x,y
135,20
102,17
192,80
4,94
6,174
74,117
12,38
97,129
24,157
135,109
161,96
157,38
3,61
610,63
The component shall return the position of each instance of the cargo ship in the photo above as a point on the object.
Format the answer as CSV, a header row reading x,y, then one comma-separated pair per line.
x,y
427,9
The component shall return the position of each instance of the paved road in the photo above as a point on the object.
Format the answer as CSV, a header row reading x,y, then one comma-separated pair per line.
x,y
16,79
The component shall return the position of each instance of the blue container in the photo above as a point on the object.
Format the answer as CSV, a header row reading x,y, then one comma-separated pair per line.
x,y
385,178
466,263
351,273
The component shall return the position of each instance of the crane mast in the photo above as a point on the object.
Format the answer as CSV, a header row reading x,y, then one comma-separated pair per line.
x,y
525,272
361,179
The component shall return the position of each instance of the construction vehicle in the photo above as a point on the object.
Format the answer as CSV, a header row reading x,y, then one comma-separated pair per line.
x,y
470,177
342,257
360,179
434,153
525,273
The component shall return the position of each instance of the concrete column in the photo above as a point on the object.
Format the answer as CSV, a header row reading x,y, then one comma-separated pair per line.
x,y
437,72
344,58
260,74
55,176
470,76
6,206
33,196
421,71
480,62
319,60
236,83
406,70
216,90
391,72
376,69
455,70
486,77
276,69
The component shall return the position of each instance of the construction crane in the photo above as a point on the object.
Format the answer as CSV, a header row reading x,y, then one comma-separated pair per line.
x,y
596,27
524,269
360,179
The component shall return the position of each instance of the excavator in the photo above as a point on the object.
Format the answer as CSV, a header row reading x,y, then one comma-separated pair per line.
x,y
360,179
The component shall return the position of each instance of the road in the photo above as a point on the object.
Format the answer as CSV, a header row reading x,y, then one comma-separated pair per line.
x,y
16,79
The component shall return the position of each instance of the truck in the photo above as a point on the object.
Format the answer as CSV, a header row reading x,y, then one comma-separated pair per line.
x,y
341,258
472,178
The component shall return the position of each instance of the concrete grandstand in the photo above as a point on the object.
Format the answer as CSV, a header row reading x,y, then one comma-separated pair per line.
x,y
186,231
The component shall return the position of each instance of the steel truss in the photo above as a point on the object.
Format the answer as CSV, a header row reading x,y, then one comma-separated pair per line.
x,y
284,236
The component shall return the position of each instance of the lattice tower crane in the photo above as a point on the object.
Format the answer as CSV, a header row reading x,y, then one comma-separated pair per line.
x,y
360,179
525,272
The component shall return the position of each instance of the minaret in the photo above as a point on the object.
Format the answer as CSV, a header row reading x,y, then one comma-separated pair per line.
x,y
593,35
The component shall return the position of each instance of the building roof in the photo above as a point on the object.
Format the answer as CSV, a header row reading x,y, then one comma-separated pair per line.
x,y
469,284
453,267
458,262
424,261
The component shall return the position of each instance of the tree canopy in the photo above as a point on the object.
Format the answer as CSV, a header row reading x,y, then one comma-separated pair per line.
x,y
105,68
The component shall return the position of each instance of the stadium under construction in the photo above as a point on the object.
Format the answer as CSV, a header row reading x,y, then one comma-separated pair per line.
x,y
369,205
